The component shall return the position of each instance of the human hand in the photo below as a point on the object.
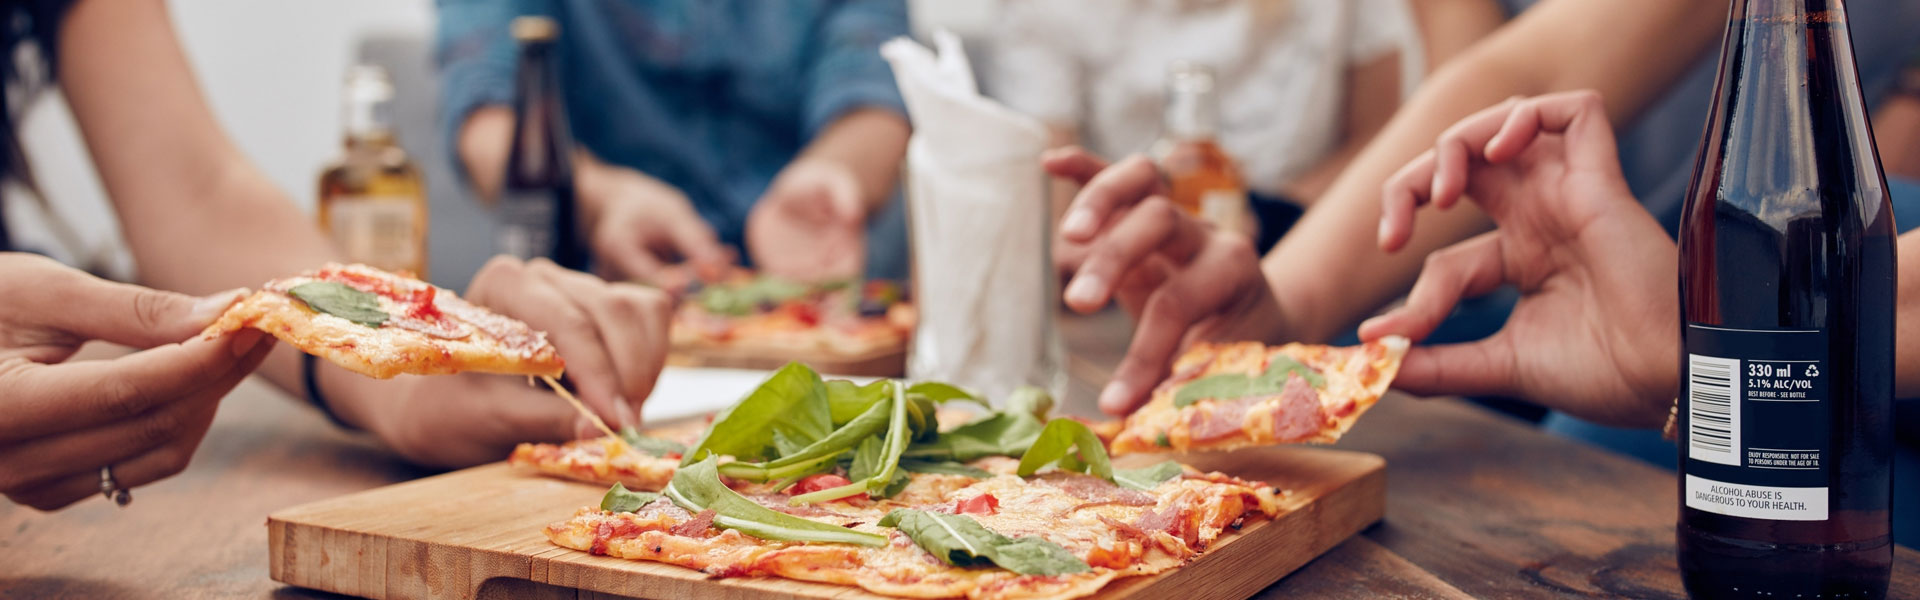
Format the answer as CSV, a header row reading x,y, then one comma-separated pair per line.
x,y
811,224
143,414
1595,332
612,335
1180,278
639,226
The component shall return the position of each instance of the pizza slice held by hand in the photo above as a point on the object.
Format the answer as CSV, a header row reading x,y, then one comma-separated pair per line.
x,y
1226,396
380,324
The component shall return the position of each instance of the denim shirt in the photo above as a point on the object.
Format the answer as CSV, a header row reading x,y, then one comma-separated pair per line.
x,y
711,96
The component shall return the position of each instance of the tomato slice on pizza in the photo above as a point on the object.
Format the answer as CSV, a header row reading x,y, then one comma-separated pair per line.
x,y
380,324
1226,396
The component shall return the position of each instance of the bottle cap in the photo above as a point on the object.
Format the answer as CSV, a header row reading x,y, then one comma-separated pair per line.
x,y
535,29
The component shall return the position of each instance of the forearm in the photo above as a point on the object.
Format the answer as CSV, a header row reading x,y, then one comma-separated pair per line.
x,y
486,138
871,143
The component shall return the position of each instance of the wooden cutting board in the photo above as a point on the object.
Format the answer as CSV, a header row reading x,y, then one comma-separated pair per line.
x,y
476,534
891,362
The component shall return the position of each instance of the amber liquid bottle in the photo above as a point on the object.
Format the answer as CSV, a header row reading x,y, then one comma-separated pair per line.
x,y
1201,178
373,201
1787,296
536,196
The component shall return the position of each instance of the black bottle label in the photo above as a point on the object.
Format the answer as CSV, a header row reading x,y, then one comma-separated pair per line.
x,y
1757,438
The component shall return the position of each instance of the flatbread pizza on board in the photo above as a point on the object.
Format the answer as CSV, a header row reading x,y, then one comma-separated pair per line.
x,y
1226,396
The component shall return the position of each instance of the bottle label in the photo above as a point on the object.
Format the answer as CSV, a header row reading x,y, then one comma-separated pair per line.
x,y
377,230
1757,437
1225,209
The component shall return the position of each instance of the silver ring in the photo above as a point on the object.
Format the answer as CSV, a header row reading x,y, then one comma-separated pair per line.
x,y
111,489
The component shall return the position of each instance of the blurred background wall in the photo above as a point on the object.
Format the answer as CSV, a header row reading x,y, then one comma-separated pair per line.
x,y
272,71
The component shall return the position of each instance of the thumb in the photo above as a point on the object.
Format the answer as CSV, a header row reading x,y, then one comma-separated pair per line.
x,y
133,315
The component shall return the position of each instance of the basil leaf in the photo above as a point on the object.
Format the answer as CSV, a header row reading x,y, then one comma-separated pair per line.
x,y
1225,387
697,487
960,541
1031,401
866,460
944,467
1281,365
845,400
1161,440
1001,434
342,301
793,401
880,471
1229,386
1071,444
1147,478
651,445
620,499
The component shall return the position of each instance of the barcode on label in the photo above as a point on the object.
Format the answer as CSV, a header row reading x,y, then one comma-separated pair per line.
x,y
1713,410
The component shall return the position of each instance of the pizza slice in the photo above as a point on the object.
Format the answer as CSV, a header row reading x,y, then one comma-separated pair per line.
x,y
381,324
1226,396
639,460
761,314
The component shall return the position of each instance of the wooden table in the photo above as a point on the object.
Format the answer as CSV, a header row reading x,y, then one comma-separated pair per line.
x,y
1478,506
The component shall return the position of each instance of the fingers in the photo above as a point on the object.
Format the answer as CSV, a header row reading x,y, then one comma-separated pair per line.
x,y
1207,287
1072,163
530,292
1122,185
1403,194
51,399
1152,227
96,309
1482,368
1467,269
632,323
625,251
1581,115
697,243
51,472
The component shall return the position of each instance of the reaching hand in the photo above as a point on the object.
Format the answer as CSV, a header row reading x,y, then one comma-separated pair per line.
x,y
811,224
639,226
1180,278
612,335
1596,331
143,414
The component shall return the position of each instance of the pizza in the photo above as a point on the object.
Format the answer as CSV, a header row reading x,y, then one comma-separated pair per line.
x,y
381,324
767,315
1225,396
889,488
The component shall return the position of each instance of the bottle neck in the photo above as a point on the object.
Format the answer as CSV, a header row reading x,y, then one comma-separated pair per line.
x,y
1192,113
542,143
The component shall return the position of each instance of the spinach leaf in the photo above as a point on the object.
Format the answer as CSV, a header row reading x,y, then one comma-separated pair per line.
x,y
866,459
941,393
943,467
650,445
1005,433
1071,444
620,499
1229,386
846,400
881,471
961,541
342,301
817,455
1147,478
792,401
697,487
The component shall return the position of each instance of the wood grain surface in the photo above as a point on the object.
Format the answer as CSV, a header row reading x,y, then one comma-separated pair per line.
x,y
448,536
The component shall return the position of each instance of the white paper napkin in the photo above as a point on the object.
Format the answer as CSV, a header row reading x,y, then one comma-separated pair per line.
x,y
978,219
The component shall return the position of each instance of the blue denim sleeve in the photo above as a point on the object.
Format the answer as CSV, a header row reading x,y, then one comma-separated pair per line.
x,y
847,72
475,52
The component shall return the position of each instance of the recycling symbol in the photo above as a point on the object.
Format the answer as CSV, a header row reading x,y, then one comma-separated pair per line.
x,y
1813,371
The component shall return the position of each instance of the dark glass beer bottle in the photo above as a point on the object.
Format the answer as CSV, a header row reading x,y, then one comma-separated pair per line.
x,y
1787,297
536,196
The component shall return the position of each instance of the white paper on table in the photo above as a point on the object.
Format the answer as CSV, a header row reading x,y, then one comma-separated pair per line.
x,y
683,392
978,219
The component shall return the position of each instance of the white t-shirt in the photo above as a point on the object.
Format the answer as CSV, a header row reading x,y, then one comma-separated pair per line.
x,y
1280,69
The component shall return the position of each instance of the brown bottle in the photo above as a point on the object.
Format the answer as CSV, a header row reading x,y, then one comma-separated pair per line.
x,y
1787,296
536,196
1201,178
373,201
